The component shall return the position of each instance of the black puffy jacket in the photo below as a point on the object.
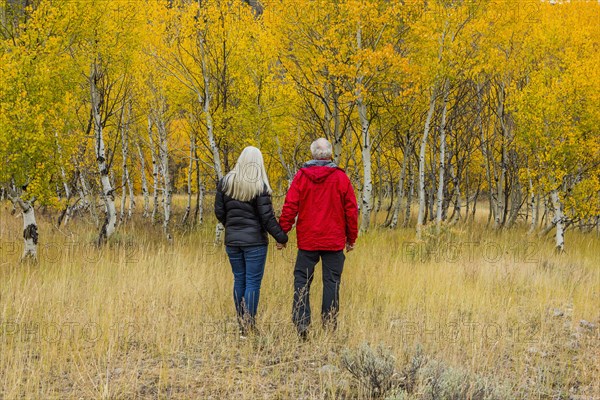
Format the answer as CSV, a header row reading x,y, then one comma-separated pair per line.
x,y
247,222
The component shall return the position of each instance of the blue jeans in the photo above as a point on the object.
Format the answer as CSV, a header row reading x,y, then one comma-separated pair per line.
x,y
248,266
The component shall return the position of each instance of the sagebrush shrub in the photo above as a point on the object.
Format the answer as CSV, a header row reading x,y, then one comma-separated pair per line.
x,y
372,368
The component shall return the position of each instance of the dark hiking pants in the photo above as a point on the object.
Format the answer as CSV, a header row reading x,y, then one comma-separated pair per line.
x,y
333,264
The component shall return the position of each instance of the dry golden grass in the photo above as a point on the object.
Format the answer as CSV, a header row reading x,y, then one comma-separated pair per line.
x,y
145,319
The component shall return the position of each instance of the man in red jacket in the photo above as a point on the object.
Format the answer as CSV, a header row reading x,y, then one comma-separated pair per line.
x,y
322,198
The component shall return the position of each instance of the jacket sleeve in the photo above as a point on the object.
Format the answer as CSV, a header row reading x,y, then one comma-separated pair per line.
x,y
220,211
267,218
351,211
290,206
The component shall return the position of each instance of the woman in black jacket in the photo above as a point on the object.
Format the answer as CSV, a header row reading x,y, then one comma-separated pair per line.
x,y
243,205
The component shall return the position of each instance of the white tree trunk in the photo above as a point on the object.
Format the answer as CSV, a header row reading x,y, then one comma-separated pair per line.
x,y
457,200
123,195
379,192
207,112
144,181
30,228
484,150
125,181
199,212
129,179
65,184
337,133
537,210
421,215
68,208
163,154
131,196
442,163
409,194
219,229
154,171
110,221
199,201
30,232
327,115
500,183
367,192
188,207
559,221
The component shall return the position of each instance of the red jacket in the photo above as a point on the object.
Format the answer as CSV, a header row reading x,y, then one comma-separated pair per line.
x,y
323,199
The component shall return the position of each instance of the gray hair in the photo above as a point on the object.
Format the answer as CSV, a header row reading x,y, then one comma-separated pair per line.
x,y
321,149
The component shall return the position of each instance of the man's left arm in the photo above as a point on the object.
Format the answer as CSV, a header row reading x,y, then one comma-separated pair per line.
x,y
351,213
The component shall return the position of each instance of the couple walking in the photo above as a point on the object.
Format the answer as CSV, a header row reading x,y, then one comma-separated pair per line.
x,y
323,200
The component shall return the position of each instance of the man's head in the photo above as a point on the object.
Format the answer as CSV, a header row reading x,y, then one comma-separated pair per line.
x,y
321,149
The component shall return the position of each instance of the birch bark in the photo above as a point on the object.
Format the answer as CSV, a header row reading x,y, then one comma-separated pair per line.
x,y
367,192
144,180
422,151
155,178
188,207
163,156
205,101
442,162
110,220
559,221
30,228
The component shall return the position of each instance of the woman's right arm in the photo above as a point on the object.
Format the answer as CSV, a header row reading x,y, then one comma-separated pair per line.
x,y
220,212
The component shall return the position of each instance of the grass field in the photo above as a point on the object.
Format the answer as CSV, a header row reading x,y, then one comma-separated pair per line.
x,y
474,314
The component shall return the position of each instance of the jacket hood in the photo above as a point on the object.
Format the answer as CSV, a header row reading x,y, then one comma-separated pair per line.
x,y
318,170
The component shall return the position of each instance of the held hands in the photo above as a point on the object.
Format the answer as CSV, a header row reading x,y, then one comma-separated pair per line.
x,y
281,246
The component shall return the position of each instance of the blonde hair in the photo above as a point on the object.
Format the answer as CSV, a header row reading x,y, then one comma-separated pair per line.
x,y
248,178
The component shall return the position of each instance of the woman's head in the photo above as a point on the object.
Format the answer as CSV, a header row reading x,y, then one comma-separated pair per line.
x,y
248,178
